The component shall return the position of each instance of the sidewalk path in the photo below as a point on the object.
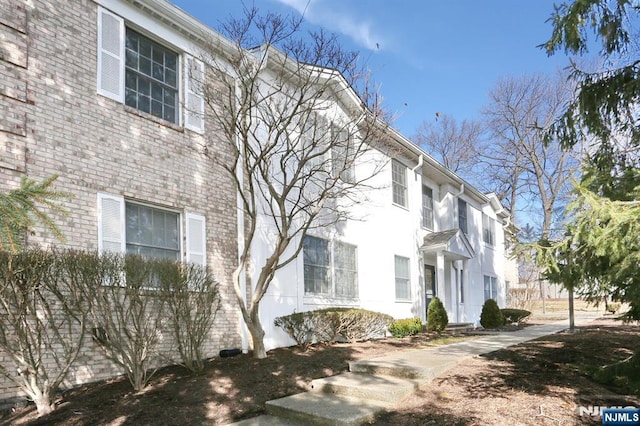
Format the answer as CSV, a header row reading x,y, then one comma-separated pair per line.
x,y
379,383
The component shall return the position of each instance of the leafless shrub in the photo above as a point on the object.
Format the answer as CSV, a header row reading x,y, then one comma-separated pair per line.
x,y
192,301
43,314
128,313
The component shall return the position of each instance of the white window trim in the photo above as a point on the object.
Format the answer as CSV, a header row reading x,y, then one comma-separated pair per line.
x,y
119,95
491,296
433,210
395,277
189,218
184,224
491,228
405,185
184,118
193,120
457,209
332,272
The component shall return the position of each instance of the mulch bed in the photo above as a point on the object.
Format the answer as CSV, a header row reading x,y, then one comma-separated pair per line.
x,y
538,382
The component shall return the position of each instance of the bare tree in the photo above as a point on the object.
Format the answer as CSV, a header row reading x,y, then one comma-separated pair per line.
x,y
452,144
521,167
296,137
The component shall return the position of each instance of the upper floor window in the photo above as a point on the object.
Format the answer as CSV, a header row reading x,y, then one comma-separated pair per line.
x,y
151,77
341,155
403,278
330,268
462,215
427,207
490,288
488,230
399,183
145,74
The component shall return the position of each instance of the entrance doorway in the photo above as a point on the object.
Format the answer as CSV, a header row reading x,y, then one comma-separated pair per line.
x,y
429,285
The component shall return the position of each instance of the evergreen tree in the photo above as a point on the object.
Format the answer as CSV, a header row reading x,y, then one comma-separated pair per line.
x,y
600,253
22,208
437,318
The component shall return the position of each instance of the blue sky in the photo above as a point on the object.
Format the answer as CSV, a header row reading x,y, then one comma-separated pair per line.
x,y
427,56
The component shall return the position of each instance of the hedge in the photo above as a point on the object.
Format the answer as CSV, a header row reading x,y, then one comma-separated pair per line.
x,y
332,324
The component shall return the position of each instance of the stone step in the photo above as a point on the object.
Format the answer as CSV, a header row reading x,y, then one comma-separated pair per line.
x,y
316,408
265,420
380,388
413,365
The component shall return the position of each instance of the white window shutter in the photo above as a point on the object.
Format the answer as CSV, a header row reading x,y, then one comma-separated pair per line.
x,y
196,239
194,94
110,55
111,224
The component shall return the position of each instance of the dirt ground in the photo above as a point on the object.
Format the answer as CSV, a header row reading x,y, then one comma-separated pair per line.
x,y
538,383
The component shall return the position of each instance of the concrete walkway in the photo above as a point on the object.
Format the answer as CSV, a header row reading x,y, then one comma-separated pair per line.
x,y
378,384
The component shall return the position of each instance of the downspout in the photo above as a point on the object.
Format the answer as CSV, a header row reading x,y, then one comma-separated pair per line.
x,y
241,246
420,161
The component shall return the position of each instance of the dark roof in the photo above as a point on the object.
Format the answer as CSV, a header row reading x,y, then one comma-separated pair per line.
x,y
437,238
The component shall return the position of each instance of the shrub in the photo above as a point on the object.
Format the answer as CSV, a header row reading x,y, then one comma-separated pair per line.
x,y
522,298
44,309
437,318
405,327
326,325
514,316
193,300
128,312
491,317
360,324
298,326
612,307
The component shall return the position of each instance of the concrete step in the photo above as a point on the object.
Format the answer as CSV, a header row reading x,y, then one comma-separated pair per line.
x,y
265,420
316,408
380,388
416,365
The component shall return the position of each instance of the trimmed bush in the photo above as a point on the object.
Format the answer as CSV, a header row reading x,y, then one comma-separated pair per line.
x,y
405,327
515,316
612,307
437,318
298,326
491,317
328,325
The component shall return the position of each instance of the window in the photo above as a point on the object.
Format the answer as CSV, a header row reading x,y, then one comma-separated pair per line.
x,y
399,183
145,74
488,230
151,77
462,215
341,155
330,268
152,232
427,207
490,288
461,286
130,227
403,278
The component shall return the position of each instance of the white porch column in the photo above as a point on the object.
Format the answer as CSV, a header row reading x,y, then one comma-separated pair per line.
x,y
440,278
457,289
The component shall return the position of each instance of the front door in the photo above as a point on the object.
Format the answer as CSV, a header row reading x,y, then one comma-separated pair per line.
x,y
429,284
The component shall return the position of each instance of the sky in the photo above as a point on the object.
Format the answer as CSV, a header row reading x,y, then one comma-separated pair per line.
x,y
427,56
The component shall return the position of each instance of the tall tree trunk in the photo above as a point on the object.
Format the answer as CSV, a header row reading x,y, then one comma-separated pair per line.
x,y
257,333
